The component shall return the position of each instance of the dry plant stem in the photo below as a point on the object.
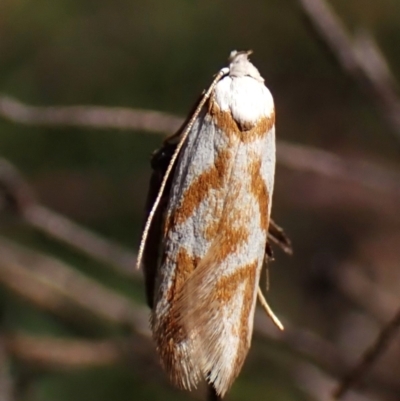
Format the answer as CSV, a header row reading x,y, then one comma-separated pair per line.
x,y
22,201
370,356
63,354
172,163
360,172
93,245
59,353
323,353
359,58
52,285
318,385
88,116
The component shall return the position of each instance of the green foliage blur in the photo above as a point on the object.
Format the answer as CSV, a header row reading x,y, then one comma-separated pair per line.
x,y
159,54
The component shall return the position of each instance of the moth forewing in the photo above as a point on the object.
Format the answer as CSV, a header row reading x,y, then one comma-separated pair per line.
x,y
218,299
182,138
214,233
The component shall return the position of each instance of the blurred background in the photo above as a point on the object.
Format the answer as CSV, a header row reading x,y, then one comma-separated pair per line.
x,y
73,181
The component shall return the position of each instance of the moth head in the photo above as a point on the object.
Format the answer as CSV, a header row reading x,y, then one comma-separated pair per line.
x,y
238,53
240,65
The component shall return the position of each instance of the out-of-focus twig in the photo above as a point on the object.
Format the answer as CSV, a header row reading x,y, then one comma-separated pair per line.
x,y
370,356
61,353
323,353
378,304
88,117
54,286
21,199
319,385
360,172
360,58
88,242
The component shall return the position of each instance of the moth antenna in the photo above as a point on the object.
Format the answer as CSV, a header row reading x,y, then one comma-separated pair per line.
x,y
189,126
268,310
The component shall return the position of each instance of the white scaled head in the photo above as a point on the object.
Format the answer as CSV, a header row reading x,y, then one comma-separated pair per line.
x,y
243,93
240,65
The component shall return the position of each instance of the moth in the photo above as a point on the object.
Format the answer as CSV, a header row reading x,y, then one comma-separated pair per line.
x,y
209,230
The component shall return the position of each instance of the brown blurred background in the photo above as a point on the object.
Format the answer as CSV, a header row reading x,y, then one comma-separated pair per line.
x,y
72,316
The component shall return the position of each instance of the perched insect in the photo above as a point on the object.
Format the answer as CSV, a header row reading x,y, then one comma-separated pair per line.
x,y
209,228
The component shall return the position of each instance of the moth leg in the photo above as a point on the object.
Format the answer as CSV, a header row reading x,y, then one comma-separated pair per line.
x,y
268,309
277,236
269,254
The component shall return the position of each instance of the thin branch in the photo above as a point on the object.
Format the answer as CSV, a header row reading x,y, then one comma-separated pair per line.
x,y
360,172
371,355
360,58
88,117
379,304
54,286
22,201
319,385
73,234
323,353
61,353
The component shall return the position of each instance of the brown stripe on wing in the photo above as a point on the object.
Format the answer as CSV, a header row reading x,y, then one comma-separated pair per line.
x,y
212,178
229,236
260,192
225,122
226,286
